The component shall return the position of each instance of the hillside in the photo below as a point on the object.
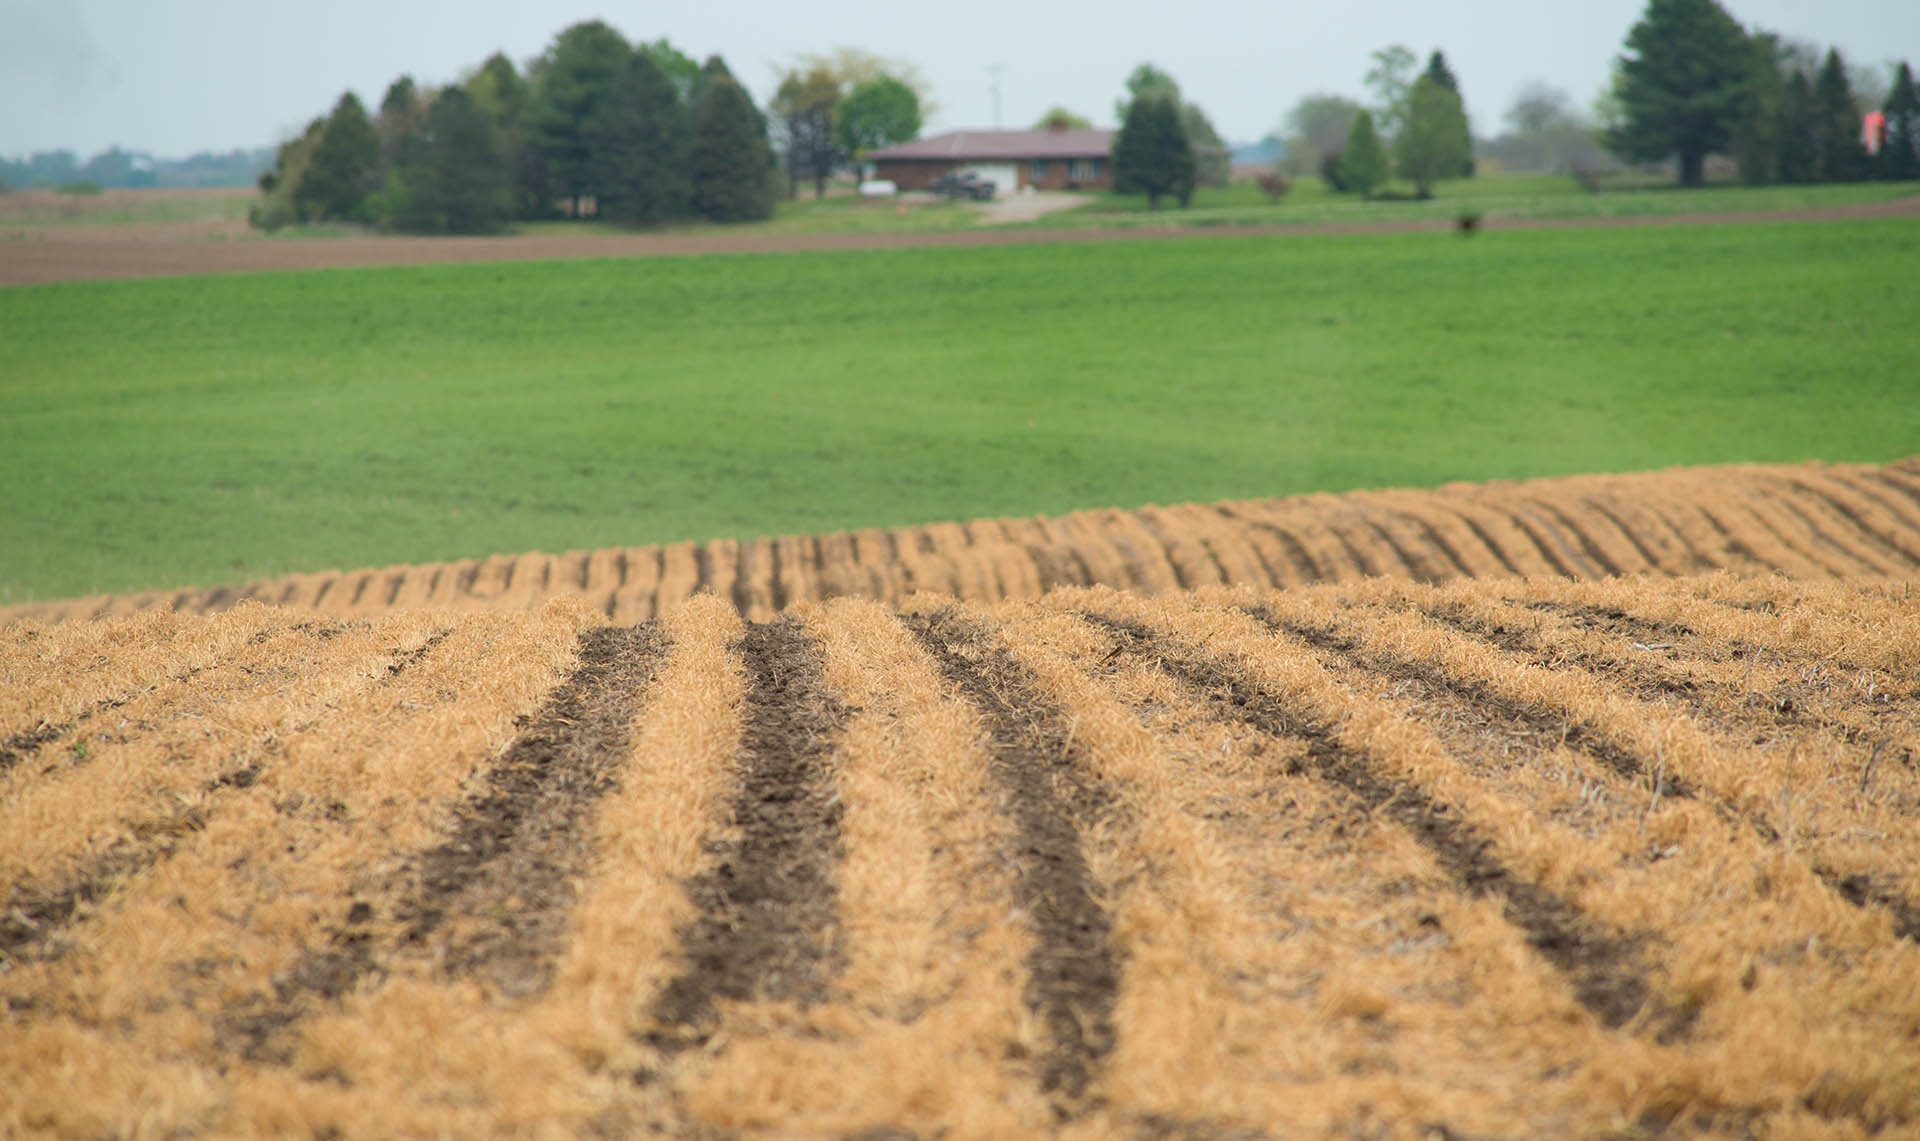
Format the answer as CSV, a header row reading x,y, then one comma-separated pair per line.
x,y
1495,858
1801,520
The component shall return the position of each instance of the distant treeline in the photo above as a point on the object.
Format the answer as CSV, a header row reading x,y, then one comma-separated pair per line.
x,y
633,133
116,168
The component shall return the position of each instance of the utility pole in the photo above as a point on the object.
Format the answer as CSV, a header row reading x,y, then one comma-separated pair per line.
x,y
994,70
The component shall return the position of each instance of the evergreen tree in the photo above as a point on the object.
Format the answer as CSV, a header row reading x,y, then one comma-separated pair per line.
x,y
1363,162
506,97
344,168
459,181
1440,73
1756,139
732,163
584,63
1799,155
1839,153
1433,144
402,116
1683,85
1212,163
1151,154
1900,151
639,140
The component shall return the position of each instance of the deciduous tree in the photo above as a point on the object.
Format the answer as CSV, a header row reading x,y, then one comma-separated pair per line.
x,y
1391,81
1317,126
1061,119
877,113
1151,154
805,108
1433,144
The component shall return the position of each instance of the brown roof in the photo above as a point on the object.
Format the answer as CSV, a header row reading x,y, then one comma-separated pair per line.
x,y
968,146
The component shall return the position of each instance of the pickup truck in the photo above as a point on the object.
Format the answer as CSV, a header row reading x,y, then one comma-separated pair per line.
x,y
963,184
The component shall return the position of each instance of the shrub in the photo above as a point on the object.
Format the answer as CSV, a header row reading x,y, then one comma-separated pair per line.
x,y
1274,185
82,187
1330,172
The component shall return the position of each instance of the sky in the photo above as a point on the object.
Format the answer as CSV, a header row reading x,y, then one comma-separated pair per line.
x,y
172,77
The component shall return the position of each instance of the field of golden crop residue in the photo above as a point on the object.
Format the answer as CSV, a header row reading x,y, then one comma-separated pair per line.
x,y
1509,858
1806,521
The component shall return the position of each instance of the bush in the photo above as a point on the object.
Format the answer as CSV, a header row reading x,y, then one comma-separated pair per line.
x,y
1273,184
1330,172
274,213
82,187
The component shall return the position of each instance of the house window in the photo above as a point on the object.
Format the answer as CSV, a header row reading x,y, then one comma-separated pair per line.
x,y
1084,170
1038,170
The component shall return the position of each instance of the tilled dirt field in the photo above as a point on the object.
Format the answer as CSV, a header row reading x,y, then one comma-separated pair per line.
x,y
1805,521
37,256
1502,858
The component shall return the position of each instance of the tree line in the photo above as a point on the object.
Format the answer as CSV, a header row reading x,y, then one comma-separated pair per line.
x,y
1693,82
118,168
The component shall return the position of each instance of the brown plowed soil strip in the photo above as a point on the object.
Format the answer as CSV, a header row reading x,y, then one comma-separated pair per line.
x,y
768,908
492,901
1074,972
1605,972
39,256
1748,520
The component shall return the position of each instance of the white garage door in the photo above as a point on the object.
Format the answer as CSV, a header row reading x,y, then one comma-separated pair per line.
x,y
1005,176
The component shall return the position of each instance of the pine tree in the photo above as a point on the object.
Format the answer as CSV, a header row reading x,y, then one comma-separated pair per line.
x,y
344,168
1839,152
1363,163
1799,159
732,162
1900,151
1683,85
1151,155
585,61
460,180
1440,73
638,141
1756,140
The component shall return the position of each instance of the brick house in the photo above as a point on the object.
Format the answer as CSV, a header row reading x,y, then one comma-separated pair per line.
x,y
1067,159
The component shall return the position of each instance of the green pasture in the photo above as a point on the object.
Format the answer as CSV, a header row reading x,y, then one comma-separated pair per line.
x,y
205,430
1495,197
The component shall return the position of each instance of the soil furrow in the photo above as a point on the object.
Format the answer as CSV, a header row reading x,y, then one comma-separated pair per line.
x,y
1605,971
1860,891
767,926
491,901
1074,971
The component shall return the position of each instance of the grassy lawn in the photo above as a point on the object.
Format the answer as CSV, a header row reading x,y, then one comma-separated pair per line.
x,y
206,430
1495,196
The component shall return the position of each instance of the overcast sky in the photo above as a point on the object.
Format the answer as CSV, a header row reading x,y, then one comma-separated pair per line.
x,y
177,76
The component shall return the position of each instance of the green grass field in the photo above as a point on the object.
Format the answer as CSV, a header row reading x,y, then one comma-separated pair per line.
x,y
1499,196
205,430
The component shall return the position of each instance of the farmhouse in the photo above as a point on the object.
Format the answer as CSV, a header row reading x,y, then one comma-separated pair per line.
x,y
1064,159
